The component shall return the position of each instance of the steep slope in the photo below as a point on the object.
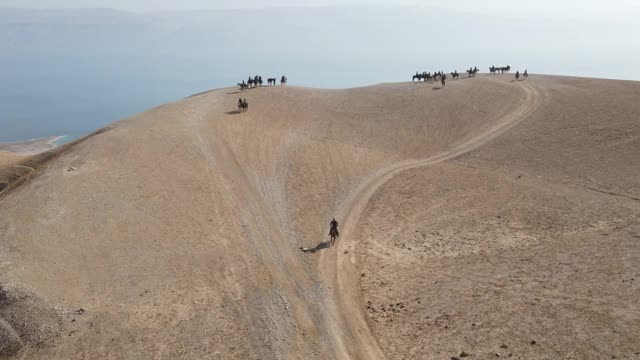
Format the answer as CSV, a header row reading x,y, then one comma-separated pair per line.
x,y
177,231
8,159
532,238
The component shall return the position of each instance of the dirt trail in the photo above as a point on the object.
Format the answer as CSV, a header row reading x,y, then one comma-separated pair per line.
x,y
178,230
338,268
257,219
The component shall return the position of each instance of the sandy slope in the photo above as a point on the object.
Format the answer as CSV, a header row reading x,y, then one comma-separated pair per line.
x,y
533,237
178,230
8,172
8,159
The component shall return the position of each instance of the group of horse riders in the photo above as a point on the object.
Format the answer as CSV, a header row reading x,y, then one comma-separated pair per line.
x,y
427,76
257,81
525,74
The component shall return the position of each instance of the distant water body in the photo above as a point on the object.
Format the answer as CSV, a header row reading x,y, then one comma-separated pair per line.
x,y
72,97
70,72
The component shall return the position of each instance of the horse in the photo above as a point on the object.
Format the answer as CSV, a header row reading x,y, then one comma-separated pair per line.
x,y
283,80
443,79
271,81
251,83
334,234
416,76
493,69
517,75
455,75
525,74
243,105
243,86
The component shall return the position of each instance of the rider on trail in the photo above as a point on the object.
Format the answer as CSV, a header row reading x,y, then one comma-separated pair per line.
x,y
333,225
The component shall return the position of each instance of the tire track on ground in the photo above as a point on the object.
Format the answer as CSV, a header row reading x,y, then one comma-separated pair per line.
x,y
346,322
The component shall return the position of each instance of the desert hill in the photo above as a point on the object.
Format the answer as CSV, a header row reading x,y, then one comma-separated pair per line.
x,y
7,159
489,212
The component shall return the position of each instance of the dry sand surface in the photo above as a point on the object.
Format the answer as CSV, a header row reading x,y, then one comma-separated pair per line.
x,y
8,170
491,217
8,159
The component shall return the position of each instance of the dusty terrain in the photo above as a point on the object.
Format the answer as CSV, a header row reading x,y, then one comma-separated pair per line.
x,y
7,162
488,217
8,158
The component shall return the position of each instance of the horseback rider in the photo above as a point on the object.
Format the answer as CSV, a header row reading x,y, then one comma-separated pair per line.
x,y
333,225
240,103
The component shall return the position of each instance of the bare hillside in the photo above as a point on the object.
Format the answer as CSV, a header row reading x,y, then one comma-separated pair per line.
x,y
177,232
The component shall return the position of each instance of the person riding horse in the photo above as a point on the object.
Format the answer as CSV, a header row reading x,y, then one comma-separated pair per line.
x,y
243,105
333,230
333,225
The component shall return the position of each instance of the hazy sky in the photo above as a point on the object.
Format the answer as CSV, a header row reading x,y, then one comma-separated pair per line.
x,y
556,8
83,69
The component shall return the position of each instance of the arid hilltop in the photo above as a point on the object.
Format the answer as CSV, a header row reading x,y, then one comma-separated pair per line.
x,y
491,218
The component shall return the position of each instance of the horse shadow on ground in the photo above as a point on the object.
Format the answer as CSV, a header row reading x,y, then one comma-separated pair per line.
x,y
436,88
235,92
323,245
234,112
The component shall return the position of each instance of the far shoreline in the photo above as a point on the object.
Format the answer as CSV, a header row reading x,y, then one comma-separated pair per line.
x,y
33,147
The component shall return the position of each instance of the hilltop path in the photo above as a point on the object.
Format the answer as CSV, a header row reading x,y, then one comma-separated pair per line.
x,y
338,268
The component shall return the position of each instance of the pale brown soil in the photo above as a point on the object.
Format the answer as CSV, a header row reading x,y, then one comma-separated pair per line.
x,y
534,237
7,159
511,206
8,171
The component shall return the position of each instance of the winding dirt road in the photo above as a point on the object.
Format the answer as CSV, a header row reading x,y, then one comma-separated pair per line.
x,y
338,268
178,230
